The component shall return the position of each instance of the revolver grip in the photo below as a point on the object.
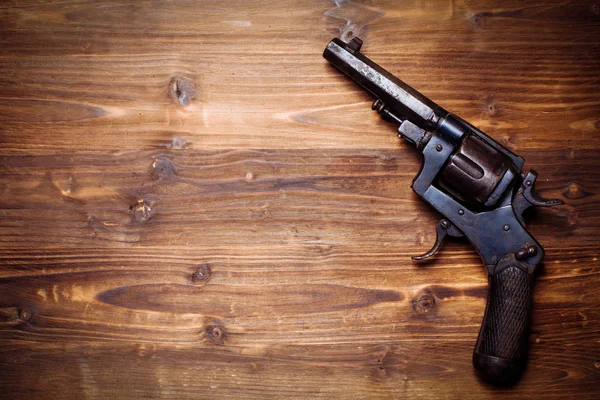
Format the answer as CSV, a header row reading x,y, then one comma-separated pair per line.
x,y
501,349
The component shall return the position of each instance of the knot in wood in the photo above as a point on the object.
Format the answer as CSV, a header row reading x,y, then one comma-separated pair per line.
x,y
141,211
182,90
24,314
64,182
575,191
424,303
216,334
177,143
507,141
162,167
477,20
202,274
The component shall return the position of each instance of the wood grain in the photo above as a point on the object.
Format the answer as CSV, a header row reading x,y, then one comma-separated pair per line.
x,y
195,205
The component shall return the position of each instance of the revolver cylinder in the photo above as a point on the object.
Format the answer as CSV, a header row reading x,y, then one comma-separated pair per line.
x,y
477,173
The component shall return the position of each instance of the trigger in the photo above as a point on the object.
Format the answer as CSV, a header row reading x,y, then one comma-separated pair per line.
x,y
444,228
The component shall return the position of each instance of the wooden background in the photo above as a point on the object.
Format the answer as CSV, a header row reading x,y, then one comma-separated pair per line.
x,y
195,204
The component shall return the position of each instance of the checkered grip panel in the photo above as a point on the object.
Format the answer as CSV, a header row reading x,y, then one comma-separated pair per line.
x,y
506,322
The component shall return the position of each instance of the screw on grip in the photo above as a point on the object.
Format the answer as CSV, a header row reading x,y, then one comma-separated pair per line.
x,y
501,349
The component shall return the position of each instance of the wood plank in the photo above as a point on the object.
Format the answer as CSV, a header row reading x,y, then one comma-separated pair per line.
x,y
191,198
373,371
245,95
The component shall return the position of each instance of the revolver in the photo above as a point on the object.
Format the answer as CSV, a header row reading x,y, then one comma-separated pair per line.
x,y
478,187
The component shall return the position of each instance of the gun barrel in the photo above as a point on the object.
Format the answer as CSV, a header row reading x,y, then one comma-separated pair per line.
x,y
401,99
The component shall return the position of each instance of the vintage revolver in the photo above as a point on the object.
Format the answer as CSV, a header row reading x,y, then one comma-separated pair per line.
x,y
478,187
